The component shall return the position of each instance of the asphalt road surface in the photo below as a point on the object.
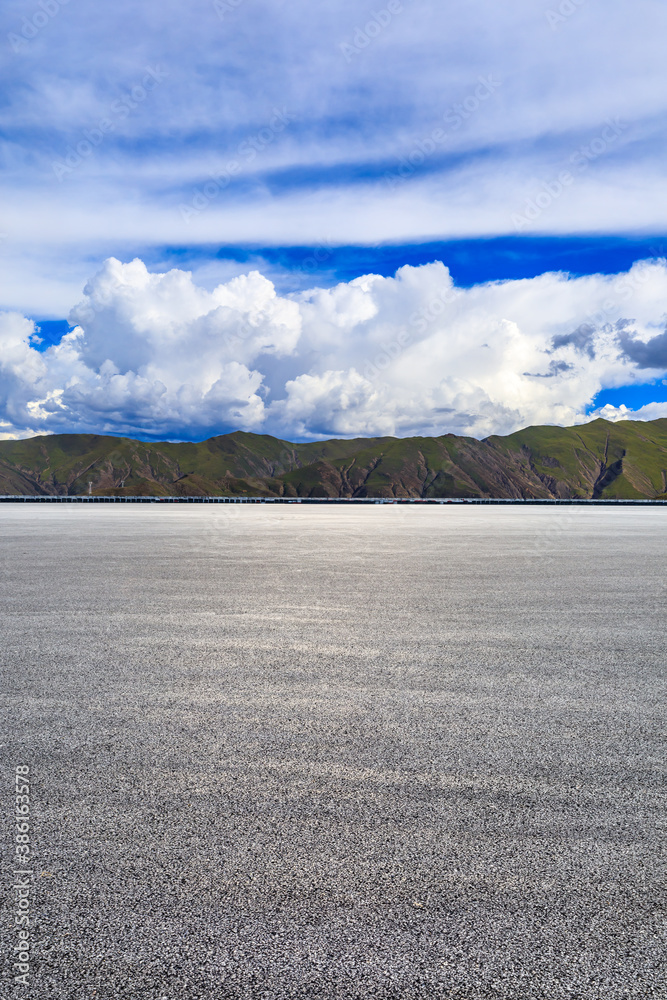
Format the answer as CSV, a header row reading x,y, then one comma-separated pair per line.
x,y
389,753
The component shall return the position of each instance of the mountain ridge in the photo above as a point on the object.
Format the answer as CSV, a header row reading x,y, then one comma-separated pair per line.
x,y
601,459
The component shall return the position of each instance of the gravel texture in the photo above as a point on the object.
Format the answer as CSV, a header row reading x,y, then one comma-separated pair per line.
x,y
297,752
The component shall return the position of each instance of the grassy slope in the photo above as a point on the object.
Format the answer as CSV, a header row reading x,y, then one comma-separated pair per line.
x,y
627,459
600,459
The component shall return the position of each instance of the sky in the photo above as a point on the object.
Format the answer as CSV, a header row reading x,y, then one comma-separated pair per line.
x,y
331,219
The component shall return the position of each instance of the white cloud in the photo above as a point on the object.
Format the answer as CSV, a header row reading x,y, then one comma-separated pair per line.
x,y
651,411
353,122
158,355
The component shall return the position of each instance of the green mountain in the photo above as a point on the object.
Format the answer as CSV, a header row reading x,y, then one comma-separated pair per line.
x,y
622,460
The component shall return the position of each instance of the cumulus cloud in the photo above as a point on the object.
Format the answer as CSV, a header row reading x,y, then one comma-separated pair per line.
x,y
651,411
155,355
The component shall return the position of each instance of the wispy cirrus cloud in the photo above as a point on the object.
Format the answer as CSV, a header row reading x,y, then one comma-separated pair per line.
x,y
351,122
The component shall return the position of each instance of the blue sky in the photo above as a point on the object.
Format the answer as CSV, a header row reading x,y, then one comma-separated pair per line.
x,y
521,145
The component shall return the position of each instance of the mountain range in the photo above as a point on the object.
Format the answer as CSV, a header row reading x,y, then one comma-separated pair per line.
x,y
621,460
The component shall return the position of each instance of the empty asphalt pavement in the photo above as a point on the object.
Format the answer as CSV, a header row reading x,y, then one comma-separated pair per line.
x,y
396,753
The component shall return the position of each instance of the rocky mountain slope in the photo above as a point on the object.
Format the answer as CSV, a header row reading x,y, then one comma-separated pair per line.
x,y
596,460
